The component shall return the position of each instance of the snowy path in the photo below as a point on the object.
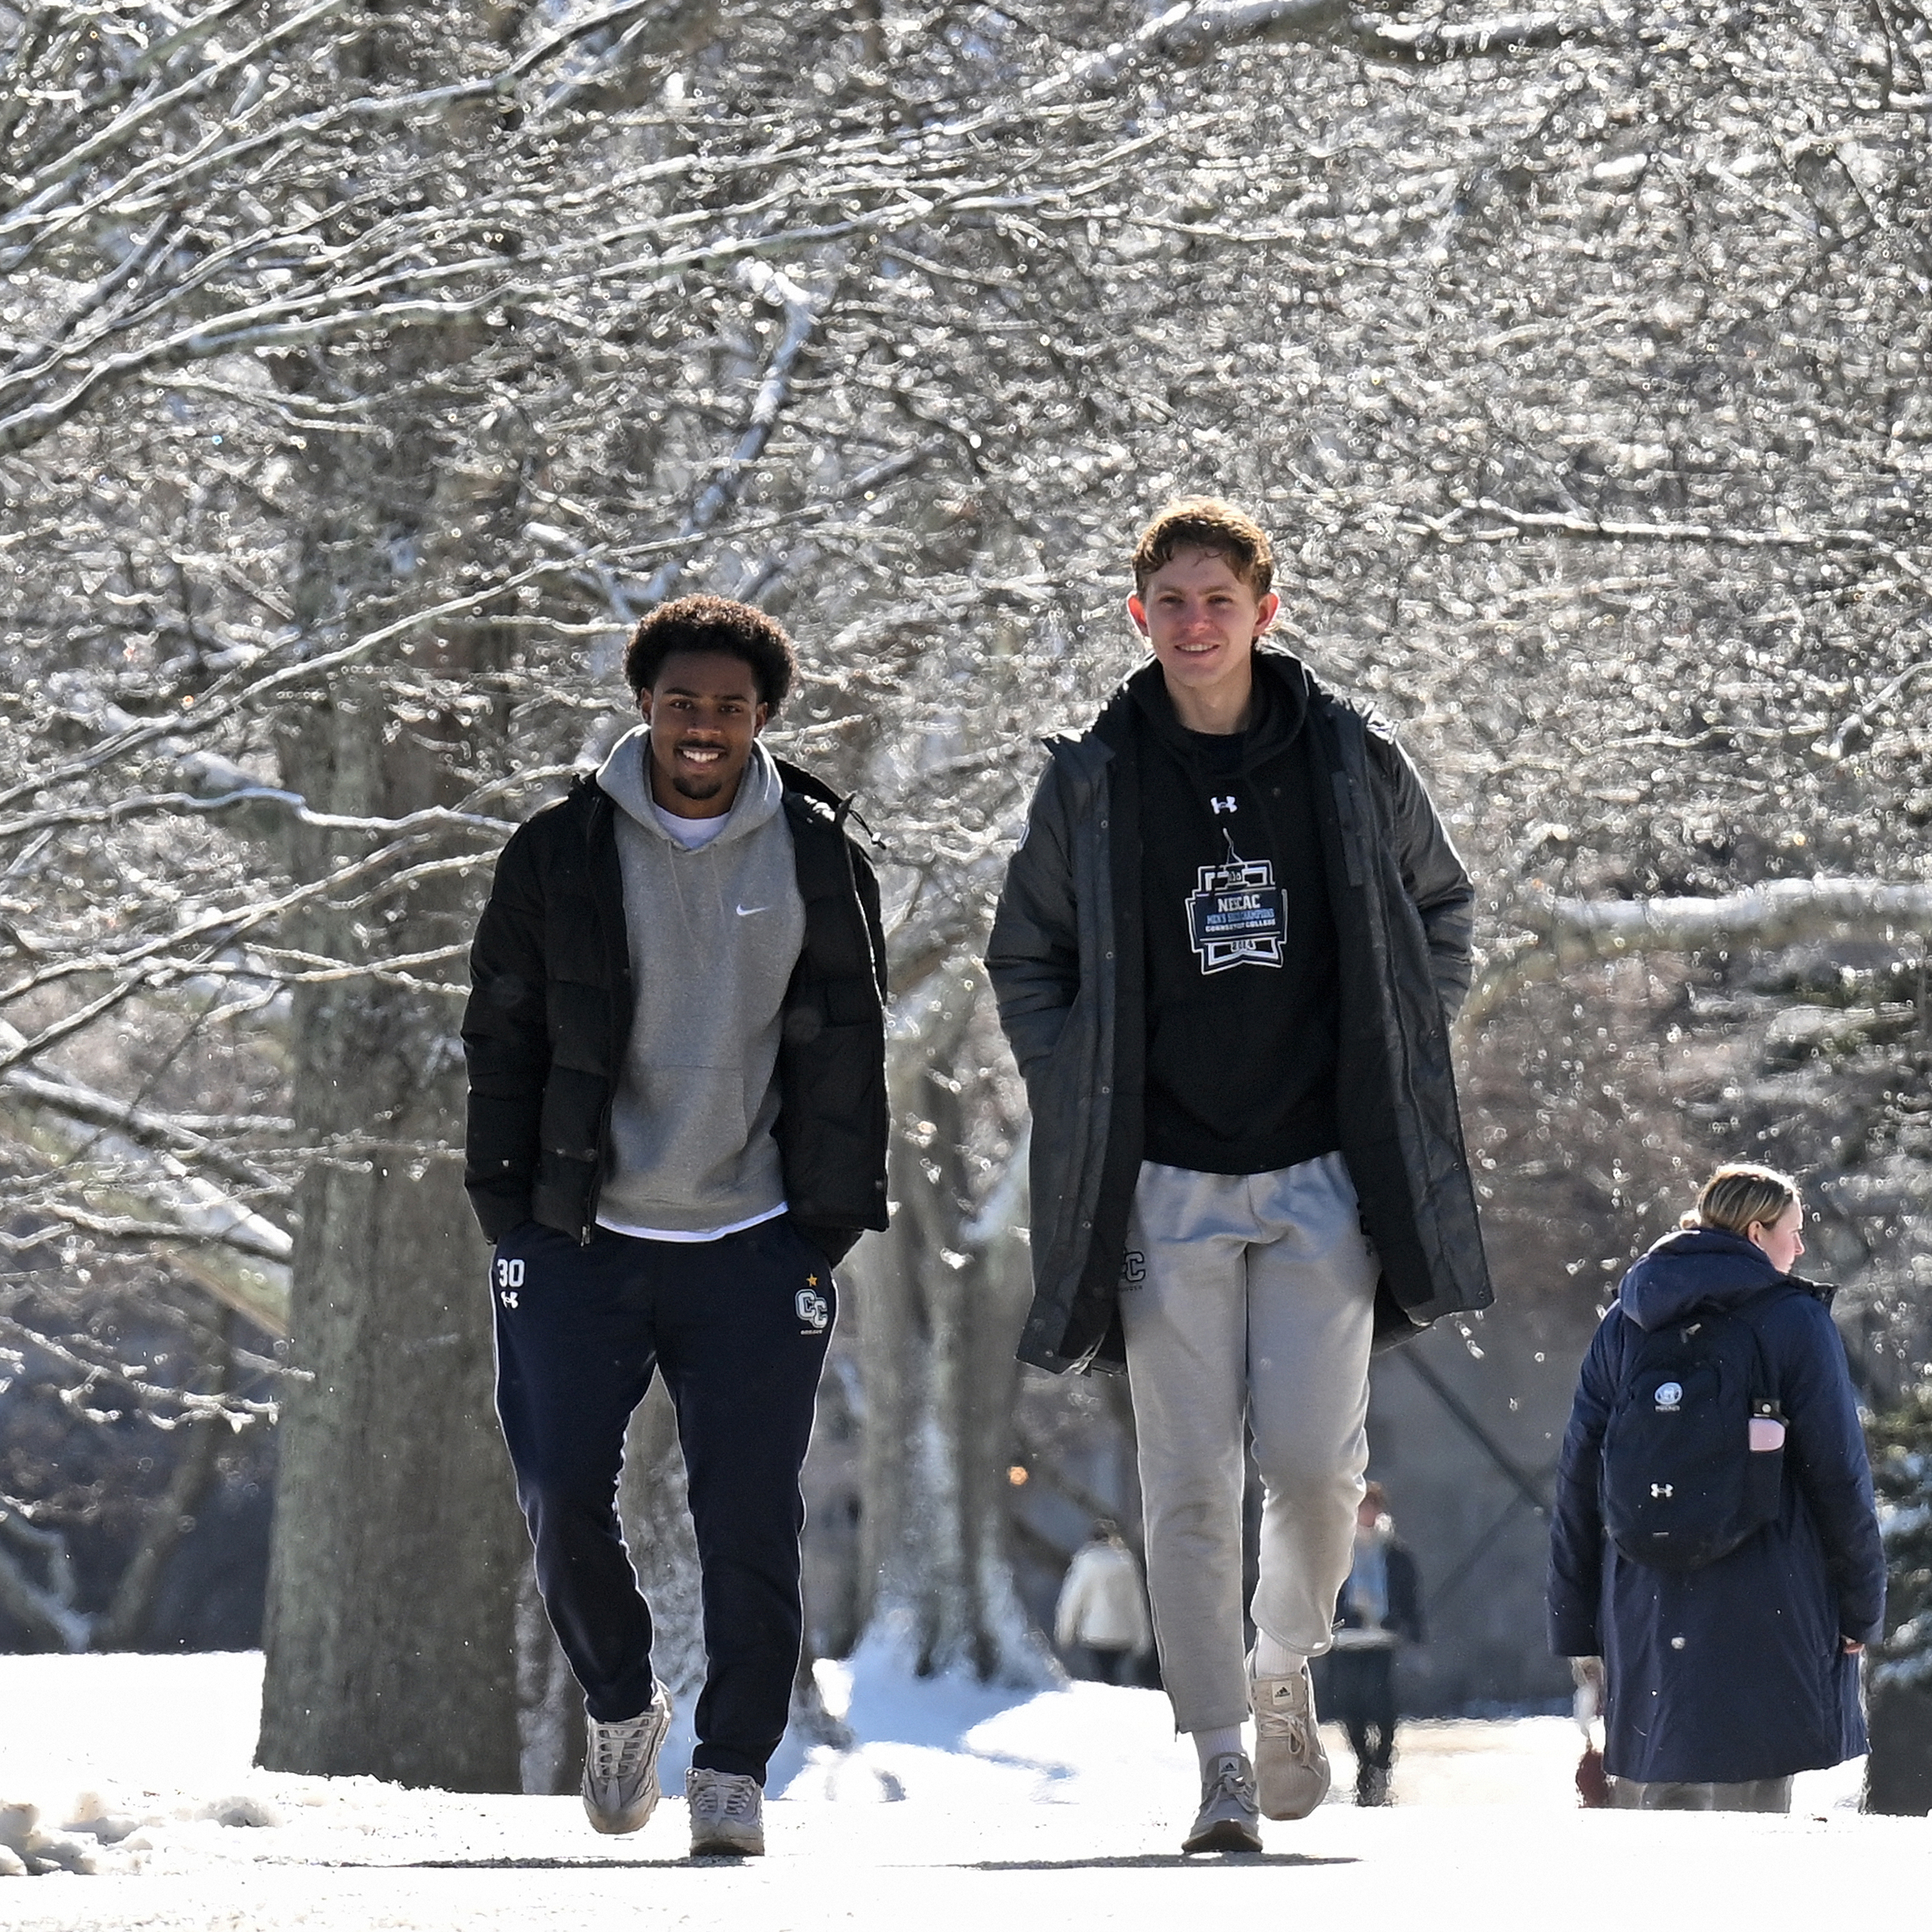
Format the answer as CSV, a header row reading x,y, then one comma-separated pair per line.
x,y
1062,1811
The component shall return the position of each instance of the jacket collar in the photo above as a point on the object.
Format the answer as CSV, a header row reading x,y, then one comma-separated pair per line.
x,y
795,780
1281,692
624,775
1294,688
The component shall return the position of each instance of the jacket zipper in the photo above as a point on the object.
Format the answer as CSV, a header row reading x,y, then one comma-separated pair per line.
x,y
599,805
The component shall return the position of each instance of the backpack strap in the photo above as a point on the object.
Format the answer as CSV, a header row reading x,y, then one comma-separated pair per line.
x,y
1766,1397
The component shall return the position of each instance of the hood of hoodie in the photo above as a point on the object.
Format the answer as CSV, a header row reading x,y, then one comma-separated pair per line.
x,y
625,776
1281,710
1694,1268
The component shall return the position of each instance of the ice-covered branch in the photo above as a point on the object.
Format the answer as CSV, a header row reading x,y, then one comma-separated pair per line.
x,y
1197,28
1191,29
45,1608
1508,523
146,1157
144,805
1469,39
192,946
268,325
256,694
1564,934
87,1107
34,191
803,312
1862,717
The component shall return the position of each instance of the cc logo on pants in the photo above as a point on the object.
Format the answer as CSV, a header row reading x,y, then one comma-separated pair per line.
x,y
814,1311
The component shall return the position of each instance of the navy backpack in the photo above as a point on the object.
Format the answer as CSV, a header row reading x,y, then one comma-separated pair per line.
x,y
1693,1453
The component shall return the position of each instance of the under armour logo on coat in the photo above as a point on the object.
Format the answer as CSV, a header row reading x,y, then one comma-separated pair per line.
x,y
1227,804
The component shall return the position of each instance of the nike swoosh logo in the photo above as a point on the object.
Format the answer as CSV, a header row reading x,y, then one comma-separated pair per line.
x,y
745,912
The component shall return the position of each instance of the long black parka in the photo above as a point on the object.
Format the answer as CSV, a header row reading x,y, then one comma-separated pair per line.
x,y
550,1009
1065,958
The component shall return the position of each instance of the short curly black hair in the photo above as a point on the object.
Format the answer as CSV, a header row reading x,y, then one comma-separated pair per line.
x,y
713,624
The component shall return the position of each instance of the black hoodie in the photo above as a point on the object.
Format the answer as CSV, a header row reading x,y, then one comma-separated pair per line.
x,y
1240,945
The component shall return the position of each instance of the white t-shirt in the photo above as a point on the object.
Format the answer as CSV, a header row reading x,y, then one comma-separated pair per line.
x,y
691,833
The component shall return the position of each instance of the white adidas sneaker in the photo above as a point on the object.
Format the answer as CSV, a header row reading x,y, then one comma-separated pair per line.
x,y
1291,1762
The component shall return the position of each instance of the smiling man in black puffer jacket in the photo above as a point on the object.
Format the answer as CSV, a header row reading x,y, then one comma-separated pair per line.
x,y
677,1127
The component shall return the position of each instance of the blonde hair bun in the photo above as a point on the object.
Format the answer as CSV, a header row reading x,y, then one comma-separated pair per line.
x,y
1742,1194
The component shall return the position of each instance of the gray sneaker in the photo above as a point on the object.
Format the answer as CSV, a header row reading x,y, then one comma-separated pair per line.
x,y
620,1765
1291,1765
1229,1819
728,1814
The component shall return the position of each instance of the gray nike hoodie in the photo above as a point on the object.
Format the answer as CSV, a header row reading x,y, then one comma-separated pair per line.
x,y
714,935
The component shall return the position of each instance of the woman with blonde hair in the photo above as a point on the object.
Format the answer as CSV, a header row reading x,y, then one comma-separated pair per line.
x,y
1721,1681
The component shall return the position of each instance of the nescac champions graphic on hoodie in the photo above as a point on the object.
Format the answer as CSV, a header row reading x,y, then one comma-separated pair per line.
x,y
1241,947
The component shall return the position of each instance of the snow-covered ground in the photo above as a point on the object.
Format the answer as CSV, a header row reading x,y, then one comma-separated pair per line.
x,y
1062,1809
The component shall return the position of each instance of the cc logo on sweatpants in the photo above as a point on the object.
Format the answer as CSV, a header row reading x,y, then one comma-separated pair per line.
x,y
814,1311
1133,1269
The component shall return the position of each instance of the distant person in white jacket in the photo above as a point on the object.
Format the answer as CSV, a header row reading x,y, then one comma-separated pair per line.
x,y
1102,1608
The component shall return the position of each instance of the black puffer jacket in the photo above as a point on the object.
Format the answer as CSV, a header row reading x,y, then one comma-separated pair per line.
x,y
1065,958
550,1013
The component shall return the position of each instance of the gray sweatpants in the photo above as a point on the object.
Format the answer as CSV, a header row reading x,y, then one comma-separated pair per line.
x,y
1245,1296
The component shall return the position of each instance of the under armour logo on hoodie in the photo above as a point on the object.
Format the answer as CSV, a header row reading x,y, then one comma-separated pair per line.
x,y
1227,804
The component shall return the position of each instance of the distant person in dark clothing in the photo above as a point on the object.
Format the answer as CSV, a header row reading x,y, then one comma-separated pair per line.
x,y
1380,1607
1720,1682
1101,1619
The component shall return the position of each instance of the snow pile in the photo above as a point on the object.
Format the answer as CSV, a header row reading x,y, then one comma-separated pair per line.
x,y
27,1849
128,1767
966,1746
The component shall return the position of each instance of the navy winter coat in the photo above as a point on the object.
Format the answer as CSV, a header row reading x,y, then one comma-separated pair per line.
x,y
1735,1672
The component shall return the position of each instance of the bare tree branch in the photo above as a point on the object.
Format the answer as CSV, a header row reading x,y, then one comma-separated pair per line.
x,y
1565,934
1196,28
1511,523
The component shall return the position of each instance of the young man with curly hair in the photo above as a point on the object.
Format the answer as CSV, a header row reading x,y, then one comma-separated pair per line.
x,y
676,1129
1227,955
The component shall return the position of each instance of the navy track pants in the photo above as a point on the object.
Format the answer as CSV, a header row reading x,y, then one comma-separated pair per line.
x,y
739,1326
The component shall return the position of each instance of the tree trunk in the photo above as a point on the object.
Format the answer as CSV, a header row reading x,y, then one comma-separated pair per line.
x,y
940,1298
550,1706
120,1626
390,1633
1898,1773
390,1627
